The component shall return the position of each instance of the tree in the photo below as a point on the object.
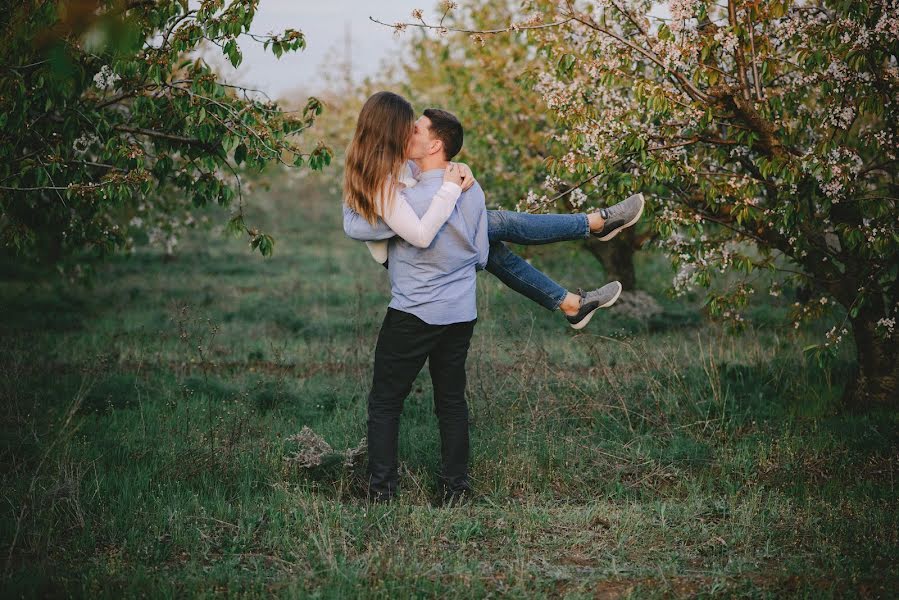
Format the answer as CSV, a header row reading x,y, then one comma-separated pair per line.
x,y
767,132
509,133
112,123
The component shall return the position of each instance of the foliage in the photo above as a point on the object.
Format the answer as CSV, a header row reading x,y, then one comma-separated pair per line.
x,y
508,135
681,462
113,125
767,133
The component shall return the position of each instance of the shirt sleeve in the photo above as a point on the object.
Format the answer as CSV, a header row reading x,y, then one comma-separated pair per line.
x,y
379,250
356,227
404,221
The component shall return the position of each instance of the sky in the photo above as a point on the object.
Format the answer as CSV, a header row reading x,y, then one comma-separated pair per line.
x,y
324,23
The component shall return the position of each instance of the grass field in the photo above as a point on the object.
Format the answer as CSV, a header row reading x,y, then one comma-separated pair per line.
x,y
145,450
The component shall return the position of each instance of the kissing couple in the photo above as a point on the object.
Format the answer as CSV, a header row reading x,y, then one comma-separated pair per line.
x,y
425,219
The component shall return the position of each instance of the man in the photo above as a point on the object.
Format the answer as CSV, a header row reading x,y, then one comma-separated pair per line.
x,y
522,228
431,316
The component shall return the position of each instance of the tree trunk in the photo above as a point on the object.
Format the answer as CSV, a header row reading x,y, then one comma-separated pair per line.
x,y
617,257
876,379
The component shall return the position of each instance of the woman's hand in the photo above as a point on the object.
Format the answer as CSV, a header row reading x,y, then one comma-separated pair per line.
x,y
453,174
467,176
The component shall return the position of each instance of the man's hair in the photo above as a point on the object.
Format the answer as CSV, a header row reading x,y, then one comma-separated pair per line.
x,y
447,128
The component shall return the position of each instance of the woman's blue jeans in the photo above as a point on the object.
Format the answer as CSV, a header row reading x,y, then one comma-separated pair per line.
x,y
530,230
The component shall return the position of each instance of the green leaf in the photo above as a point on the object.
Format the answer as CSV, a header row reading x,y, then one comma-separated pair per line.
x,y
235,225
313,107
566,64
665,33
240,153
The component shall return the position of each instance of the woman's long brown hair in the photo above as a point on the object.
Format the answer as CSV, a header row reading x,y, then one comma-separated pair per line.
x,y
374,159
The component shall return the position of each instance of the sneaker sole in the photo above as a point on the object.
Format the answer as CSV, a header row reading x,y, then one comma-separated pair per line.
x,y
609,236
583,322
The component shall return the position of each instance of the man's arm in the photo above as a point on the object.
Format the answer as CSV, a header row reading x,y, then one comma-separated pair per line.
x,y
356,227
481,241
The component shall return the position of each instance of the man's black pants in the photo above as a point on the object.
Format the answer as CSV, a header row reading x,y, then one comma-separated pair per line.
x,y
405,341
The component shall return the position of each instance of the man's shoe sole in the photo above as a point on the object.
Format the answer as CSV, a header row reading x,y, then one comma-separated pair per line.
x,y
583,322
609,236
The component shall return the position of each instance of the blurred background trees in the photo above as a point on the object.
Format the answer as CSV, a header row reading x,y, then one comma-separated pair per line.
x,y
511,136
765,135
114,126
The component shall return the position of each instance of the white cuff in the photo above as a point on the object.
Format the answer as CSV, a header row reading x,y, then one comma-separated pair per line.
x,y
451,187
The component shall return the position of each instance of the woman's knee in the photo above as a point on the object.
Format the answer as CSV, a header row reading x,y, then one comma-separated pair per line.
x,y
496,223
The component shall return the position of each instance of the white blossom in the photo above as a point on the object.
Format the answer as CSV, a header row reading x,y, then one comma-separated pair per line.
x,y
727,40
83,143
682,12
577,197
106,78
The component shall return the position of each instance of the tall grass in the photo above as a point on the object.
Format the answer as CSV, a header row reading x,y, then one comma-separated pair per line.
x,y
148,423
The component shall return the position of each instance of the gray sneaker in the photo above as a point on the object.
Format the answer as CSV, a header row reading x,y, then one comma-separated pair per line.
x,y
620,216
593,300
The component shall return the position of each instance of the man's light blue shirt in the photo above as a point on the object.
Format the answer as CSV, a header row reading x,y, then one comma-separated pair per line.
x,y
436,284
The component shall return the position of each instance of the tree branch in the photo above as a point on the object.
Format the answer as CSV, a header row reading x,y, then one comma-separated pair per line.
x,y
760,95
626,13
685,84
424,25
167,136
744,110
738,51
586,181
57,188
96,164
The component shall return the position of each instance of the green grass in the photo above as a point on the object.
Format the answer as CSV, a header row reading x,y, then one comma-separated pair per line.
x,y
145,425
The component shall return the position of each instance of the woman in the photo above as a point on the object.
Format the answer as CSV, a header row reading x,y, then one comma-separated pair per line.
x,y
377,170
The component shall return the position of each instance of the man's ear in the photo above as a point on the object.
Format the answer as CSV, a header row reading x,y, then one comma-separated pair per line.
x,y
435,146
